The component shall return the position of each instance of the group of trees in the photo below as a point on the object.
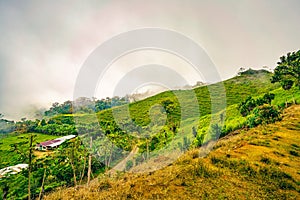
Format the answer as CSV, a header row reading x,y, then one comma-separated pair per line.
x,y
66,166
249,71
264,114
287,73
250,103
85,105
259,111
63,125
214,132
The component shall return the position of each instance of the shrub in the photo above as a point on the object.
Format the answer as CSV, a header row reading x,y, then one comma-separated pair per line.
x,y
265,114
265,160
129,165
250,103
294,153
247,106
198,141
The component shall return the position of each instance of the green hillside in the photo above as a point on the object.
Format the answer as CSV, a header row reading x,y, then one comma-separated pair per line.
x,y
236,90
187,176
260,163
143,132
142,118
163,117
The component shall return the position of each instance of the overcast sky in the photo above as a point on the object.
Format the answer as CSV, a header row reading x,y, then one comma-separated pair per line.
x,y
43,44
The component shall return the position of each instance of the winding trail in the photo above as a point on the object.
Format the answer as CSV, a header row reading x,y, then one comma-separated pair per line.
x,y
122,165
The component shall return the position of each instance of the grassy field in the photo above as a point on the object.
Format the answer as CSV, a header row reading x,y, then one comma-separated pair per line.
x,y
236,90
260,163
225,93
9,158
188,107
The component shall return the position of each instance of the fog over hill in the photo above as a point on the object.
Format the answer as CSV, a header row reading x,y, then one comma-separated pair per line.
x,y
45,43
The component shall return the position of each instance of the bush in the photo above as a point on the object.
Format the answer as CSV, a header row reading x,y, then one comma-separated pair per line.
x,y
198,141
294,153
129,165
265,114
250,103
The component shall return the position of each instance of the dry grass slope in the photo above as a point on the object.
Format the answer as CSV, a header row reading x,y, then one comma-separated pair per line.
x,y
260,163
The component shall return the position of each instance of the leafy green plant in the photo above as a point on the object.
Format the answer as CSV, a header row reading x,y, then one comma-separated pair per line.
x,y
250,103
265,114
129,165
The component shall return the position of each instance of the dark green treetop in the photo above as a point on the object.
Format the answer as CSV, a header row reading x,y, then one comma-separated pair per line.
x,y
287,72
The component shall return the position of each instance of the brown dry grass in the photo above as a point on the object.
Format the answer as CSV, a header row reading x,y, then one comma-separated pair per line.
x,y
252,164
42,154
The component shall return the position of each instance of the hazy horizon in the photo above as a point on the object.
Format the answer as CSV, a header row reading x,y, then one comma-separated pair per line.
x,y
44,44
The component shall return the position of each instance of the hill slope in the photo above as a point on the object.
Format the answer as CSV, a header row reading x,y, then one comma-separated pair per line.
x,y
260,163
183,117
130,129
231,91
184,105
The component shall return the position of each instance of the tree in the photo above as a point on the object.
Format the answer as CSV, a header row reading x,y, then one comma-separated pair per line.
x,y
265,114
186,143
26,154
147,136
247,106
5,190
168,105
42,186
30,154
194,130
43,122
199,140
241,70
250,103
268,97
129,165
215,131
287,72
90,161
72,154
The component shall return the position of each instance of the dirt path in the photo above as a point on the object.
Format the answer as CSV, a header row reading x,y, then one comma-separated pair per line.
x,y
121,165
